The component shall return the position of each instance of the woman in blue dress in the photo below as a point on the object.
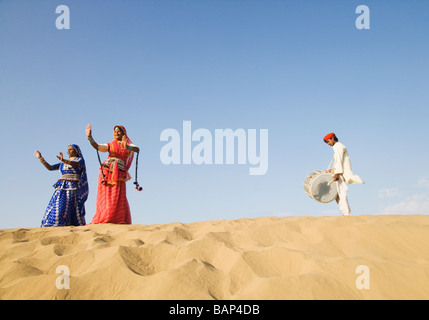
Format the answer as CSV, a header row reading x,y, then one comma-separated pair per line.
x,y
67,205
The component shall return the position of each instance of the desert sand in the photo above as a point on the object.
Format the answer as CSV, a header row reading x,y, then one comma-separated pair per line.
x,y
262,258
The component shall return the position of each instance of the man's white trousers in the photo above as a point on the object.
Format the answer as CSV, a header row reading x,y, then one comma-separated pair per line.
x,y
341,199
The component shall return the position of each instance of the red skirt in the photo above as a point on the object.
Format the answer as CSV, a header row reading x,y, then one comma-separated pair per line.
x,y
112,204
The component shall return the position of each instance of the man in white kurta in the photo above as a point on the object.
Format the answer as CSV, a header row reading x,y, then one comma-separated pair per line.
x,y
342,170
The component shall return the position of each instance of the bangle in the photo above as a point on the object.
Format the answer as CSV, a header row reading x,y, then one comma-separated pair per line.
x,y
42,160
90,139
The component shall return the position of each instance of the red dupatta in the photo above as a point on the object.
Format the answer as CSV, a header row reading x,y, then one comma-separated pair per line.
x,y
118,154
130,157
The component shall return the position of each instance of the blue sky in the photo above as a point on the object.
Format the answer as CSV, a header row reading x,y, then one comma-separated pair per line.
x,y
300,69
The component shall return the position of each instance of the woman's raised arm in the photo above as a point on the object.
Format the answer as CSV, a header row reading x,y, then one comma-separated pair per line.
x,y
38,155
94,144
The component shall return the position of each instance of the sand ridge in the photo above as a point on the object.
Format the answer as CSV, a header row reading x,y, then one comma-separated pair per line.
x,y
261,258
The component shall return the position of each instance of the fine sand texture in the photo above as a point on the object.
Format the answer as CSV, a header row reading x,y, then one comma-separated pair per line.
x,y
358,257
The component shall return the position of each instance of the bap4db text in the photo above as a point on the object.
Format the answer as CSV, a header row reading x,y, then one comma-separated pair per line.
x,y
236,309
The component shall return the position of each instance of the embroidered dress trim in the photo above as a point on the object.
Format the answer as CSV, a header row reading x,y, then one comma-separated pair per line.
x,y
70,177
112,160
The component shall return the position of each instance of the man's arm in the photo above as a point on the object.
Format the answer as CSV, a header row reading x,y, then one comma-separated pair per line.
x,y
338,160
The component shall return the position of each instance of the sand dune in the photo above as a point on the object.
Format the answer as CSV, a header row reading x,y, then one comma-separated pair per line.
x,y
262,258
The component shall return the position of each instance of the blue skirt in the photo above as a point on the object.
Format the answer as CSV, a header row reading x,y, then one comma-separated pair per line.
x,y
64,209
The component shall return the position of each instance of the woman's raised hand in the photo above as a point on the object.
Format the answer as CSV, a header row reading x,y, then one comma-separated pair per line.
x,y
37,154
88,130
123,142
60,157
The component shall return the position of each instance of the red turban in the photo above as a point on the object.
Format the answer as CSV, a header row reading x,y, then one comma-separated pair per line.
x,y
329,136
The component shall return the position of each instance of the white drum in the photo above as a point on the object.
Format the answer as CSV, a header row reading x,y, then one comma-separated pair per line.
x,y
318,185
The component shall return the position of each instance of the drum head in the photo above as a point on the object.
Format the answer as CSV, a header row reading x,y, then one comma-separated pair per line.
x,y
321,190
317,186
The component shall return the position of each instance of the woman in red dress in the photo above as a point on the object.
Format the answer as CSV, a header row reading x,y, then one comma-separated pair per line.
x,y
112,204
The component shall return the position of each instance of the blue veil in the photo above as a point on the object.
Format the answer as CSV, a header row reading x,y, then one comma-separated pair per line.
x,y
83,181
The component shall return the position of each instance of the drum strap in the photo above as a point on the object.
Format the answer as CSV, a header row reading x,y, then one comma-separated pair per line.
x,y
330,163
